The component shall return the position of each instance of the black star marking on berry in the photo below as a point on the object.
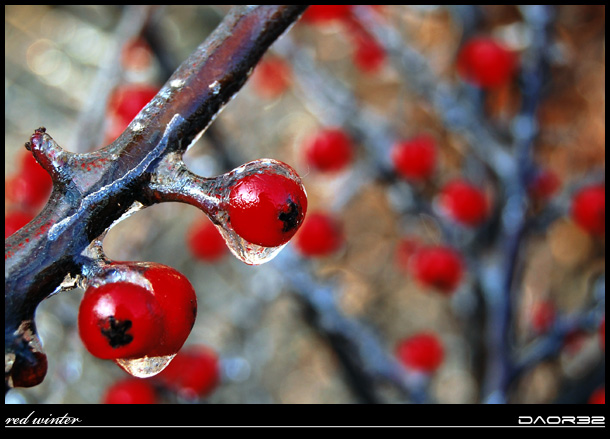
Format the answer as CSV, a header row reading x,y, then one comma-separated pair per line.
x,y
290,217
117,332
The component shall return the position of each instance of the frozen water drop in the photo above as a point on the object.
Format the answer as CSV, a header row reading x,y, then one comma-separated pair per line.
x,y
144,367
245,251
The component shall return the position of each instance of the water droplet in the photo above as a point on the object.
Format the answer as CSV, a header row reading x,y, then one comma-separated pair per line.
x,y
144,367
247,252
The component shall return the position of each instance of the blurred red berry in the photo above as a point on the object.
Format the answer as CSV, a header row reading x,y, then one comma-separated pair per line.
x,y
136,55
589,209
320,235
271,77
438,267
130,391
329,150
544,185
321,14
543,316
486,63
574,341
422,352
15,220
464,203
598,397
415,159
405,249
369,56
194,372
205,241
124,105
30,186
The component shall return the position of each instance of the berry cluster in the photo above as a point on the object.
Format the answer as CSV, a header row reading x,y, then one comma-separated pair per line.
x,y
135,310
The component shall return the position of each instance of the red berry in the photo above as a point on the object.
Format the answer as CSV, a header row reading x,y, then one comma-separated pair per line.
x,y
415,159
438,267
205,242
369,56
320,235
422,352
15,220
544,185
271,77
598,397
29,370
267,209
178,300
130,391
194,372
543,316
574,341
320,14
31,186
124,105
464,203
329,150
486,63
136,55
149,313
119,320
589,209
405,249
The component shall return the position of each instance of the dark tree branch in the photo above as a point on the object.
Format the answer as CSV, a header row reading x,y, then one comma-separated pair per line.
x,y
94,190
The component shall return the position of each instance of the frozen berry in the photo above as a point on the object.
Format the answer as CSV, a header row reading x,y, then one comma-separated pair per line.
x,y
150,312
267,209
